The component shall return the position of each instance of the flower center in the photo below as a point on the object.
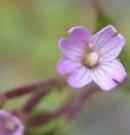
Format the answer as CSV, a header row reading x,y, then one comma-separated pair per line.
x,y
10,126
90,59
7,125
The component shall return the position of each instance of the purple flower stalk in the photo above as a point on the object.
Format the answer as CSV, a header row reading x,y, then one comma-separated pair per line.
x,y
10,125
88,57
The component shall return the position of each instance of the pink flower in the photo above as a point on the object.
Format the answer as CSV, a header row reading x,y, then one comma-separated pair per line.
x,y
88,57
10,125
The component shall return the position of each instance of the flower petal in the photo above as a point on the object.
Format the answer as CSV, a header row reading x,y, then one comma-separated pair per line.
x,y
115,70
103,80
113,48
7,117
103,36
79,78
70,49
79,33
66,66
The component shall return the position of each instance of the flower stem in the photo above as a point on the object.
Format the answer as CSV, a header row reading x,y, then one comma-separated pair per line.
x,y
102,18
34,100
38,86
2,100
68,110
97,7
75,104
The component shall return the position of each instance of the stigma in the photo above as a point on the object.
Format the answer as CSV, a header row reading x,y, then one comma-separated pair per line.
x,y
10,126
90,59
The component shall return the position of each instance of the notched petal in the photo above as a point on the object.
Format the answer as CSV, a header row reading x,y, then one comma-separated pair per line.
x,y
103,80
70,49
113,48
79,78
115,70
65,66
103,36
79,33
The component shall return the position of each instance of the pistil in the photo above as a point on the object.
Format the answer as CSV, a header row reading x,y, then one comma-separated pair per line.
x,y
90,59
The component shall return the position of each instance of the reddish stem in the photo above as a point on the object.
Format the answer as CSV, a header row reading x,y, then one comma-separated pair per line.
x,y
41,85
97,7
69,110
75,104
34,100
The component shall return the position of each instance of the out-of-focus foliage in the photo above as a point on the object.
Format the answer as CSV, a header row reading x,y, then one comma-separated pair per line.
x,y
29,32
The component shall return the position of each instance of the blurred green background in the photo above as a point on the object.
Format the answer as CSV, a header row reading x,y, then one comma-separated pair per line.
x,y
29,31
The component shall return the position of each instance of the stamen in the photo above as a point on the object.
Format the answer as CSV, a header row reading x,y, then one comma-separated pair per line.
x,y
90,59
7,125
10,126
